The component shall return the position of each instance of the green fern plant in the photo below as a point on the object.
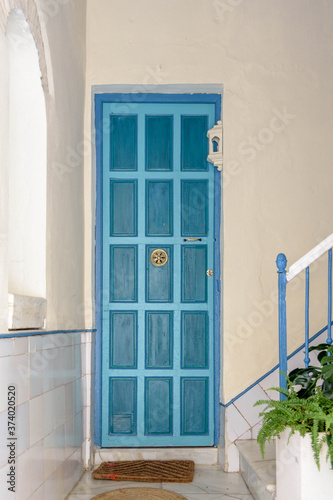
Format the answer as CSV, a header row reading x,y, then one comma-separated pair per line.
x,y
304,415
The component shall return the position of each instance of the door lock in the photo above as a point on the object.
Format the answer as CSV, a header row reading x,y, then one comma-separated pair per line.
x,y
209,272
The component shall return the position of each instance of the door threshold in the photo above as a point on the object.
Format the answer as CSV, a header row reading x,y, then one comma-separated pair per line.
x,y
200,456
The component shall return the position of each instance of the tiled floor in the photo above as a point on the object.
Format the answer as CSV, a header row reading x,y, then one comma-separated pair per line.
x,y
209,483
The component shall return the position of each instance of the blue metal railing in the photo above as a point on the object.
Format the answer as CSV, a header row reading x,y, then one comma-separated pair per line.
x,y
307,313
329,308
284,278
281,263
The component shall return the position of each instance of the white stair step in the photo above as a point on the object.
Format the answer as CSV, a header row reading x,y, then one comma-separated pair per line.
x,y
201,456
258,473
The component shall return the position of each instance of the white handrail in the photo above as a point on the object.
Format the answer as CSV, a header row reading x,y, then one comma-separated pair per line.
x,y
309,258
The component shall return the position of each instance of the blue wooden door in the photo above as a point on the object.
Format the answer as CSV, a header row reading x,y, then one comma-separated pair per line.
x,y
157,249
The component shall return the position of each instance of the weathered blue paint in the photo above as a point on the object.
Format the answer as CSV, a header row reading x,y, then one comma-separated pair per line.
x,y
123,273
131,100
123,339
123,213
195,339
307,289
123,398
281,263
158,406
194,279
159,209
194,207
141,258
159,139
194,398
194,143
218,179
123,142
217,293
329,309
98,273
159,339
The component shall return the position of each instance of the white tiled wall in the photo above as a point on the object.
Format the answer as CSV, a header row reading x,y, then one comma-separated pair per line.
x,y
52,375
240,420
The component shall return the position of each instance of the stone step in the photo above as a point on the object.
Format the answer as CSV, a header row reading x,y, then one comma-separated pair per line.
x,y
200,456
258,473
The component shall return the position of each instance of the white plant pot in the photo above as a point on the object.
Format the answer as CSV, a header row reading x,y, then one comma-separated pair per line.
x,y
297,475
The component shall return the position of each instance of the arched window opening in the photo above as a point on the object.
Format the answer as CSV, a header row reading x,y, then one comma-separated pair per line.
x,y
27,163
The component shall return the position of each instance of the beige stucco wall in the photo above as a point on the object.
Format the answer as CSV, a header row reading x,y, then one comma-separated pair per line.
x,y
3,187
274,60
58,27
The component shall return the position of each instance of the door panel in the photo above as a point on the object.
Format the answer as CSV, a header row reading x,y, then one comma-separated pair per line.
x,y
123,205
195,339
195,406
123,132
194,283
123,411
159,339
194,208
123,273
159,211
123,338
158,398
158,242
194,143
159,135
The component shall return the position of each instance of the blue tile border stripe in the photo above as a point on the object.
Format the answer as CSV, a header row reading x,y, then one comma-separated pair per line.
x,y
28,333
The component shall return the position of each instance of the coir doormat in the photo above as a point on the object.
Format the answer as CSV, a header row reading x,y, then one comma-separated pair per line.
x,y
154,471
139,494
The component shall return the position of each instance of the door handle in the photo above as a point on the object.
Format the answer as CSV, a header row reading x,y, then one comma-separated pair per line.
x,y
192,239
209,272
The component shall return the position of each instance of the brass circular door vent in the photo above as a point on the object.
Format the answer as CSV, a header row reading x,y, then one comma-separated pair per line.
x,y
159,257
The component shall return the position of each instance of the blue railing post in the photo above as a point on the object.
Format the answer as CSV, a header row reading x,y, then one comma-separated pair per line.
x,y
281,262
329,309
307,290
